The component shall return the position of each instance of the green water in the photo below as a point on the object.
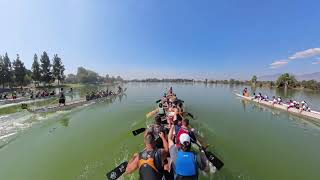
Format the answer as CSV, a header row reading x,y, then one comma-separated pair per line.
x,y
254,142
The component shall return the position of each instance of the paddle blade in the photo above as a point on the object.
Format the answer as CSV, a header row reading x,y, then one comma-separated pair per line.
x,y
214,160
189,114
118,171
158,101
138,131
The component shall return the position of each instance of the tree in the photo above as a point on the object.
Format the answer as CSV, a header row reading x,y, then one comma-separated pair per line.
x,y
86,76
36,72
6,70
1,71
119,79
19,71
27,78
254,80
286,80
71,78
58,69
46,74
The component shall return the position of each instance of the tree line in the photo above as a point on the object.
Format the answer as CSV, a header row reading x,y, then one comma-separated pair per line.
x,y
86,76
286,80
162,80
13,74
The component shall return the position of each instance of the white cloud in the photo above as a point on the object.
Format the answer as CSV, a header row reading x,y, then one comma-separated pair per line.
x,y
308,53
278,64
305,54
317,62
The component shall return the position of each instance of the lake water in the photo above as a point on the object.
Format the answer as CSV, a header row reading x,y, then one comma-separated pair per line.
x,y
253,141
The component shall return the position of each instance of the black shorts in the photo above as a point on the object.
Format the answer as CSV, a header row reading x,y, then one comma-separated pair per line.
x,y
62,101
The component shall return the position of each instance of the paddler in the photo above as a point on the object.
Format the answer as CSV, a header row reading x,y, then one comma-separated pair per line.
x,y
161,111
14,95
170,92
155,130
305,106
274,100
172,114
185,162
119,89
279,100
261,97
62,98
184,128
290,104
245,92
150,160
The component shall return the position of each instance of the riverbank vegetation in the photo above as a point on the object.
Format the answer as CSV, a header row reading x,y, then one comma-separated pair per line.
x,y
86,76
284,81
162,80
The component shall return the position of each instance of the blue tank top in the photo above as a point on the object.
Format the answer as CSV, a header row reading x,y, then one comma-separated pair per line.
x,y
186,164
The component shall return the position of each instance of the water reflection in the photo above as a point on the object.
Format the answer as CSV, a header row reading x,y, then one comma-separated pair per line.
x,y
244,104
65,121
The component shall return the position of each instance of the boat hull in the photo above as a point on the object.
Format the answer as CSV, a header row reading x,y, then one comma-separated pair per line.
x,y
314,115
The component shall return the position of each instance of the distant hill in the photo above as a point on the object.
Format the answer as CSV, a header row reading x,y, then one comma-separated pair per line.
x,y
312,76
274,77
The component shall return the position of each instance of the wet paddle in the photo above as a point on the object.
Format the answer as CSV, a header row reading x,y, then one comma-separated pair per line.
x,y
215,161
189,114
118,171
158,101
138,131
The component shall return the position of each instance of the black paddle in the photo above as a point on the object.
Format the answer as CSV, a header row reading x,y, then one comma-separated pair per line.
x,y
138,131
215,161
118,171
189,114
158,101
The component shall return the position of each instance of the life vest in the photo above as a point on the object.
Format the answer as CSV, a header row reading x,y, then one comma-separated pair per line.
x,y
186,164
148,166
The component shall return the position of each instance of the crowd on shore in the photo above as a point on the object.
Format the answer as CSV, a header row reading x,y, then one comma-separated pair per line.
x,y
303,105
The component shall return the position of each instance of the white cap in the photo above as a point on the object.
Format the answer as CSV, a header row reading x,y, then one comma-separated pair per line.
x,y
184,138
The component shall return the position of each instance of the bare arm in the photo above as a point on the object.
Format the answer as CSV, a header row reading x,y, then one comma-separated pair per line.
x,y
165,145
133,164
170,137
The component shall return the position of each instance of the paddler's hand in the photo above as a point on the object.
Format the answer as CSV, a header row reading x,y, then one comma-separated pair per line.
x,y
161,134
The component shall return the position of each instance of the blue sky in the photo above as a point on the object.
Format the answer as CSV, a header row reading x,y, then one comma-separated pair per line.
x,y
150,38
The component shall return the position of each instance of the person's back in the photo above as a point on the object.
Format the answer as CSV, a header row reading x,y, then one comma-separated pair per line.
x,y
185,162
150,165
150,160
